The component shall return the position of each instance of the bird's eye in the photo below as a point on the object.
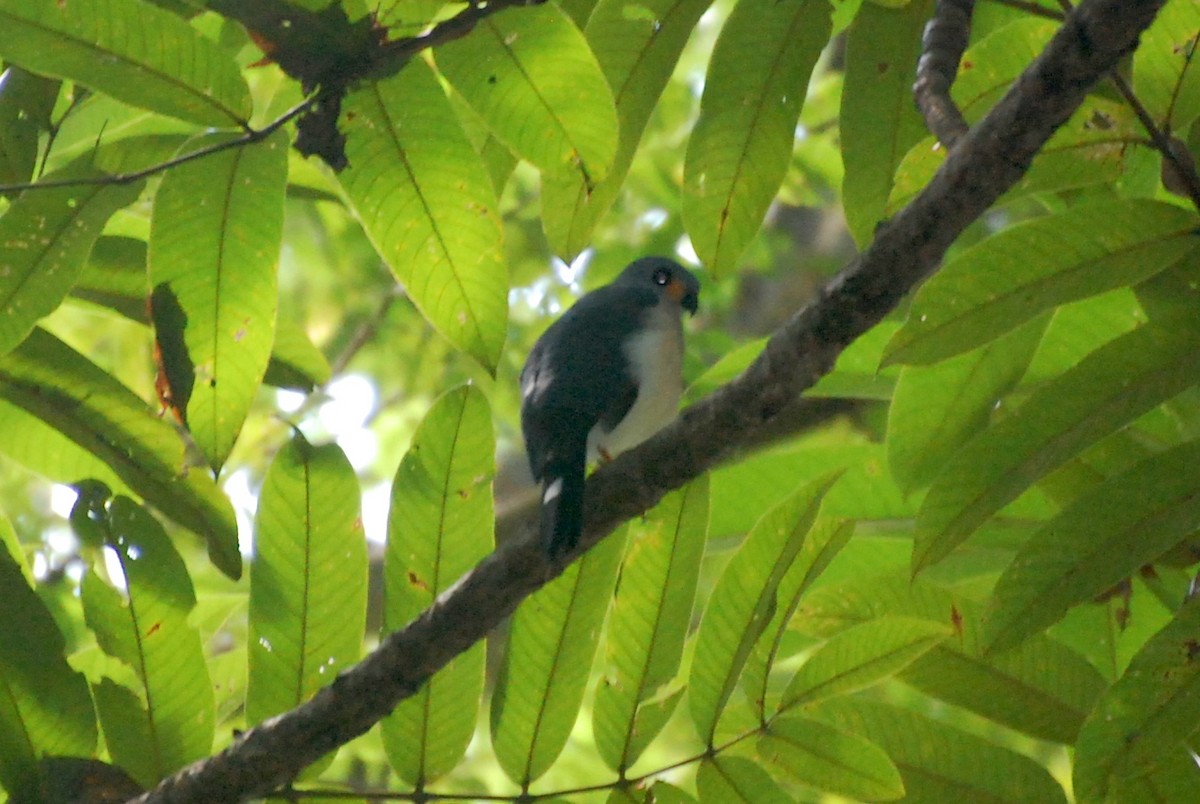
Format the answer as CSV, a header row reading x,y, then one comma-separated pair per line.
x,y
662,276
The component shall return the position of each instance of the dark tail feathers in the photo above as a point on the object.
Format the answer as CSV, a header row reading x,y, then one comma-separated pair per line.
x,y
562,501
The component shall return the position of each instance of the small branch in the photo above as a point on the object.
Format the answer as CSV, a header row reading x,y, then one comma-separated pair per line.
x,y
251,136
942,45
992,157
1184,167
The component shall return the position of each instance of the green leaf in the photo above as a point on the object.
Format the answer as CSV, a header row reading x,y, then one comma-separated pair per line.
x,y
214,241
440,525
51,381
1042,688
1103,537
427,204
169,721
860,656
879,122
530,73
939,762
1166,77
26,101
130,50
737,780
1148,715
551,645
742,143
637,48
45,708
831,759
308,579
1107,390
296,362
824,542
45,237
1016,274
744,601
649,619
936,409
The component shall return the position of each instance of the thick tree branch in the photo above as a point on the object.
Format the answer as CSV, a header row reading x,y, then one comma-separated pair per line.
x,y
987,161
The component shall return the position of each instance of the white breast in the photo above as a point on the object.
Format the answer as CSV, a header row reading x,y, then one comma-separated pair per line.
x,y
656,359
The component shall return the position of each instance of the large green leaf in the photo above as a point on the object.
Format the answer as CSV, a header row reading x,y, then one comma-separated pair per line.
x,y
214,240
936,409
131,50
440,525
824,542
427,204
744,600
1041,688
45,708
552,641
737,780
308,579
168,721
637,47
45,237
830,759
530,73
742,143
1103,537
941,763
878,120
1107,390
1016,274
1147,716
648,623
1166,76
51,381
860,656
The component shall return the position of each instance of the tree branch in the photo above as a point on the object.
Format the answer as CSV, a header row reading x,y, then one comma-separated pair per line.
x,y
942,45
987,161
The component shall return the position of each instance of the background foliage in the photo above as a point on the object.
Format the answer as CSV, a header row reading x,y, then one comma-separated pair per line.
x,y
968,586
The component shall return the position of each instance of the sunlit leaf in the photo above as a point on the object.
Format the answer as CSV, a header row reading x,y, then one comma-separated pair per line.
x,y
214,241
133,51
737,780
936,409
744,600
45,237
1041,688
650,618
742,143
1016,274
45,708
831,759
1147,715
1108,389
308,579
168,721
51,381
1105,536
427,204
879,122
552,641
1166,75
939,762
530,73
439,526
862,655
636,47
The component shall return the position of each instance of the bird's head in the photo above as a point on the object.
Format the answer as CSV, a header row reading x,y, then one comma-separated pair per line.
x,y
664,276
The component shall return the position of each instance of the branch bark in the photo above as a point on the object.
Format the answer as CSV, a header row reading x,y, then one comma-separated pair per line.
x,y
988,160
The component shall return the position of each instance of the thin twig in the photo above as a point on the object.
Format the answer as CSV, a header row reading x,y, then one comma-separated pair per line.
x,y
942,46
1030,7
251,136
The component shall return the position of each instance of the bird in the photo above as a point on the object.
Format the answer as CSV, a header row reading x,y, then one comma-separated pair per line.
x,y
603,378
